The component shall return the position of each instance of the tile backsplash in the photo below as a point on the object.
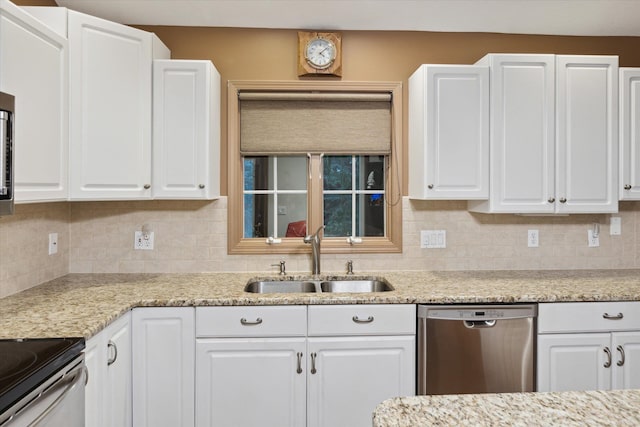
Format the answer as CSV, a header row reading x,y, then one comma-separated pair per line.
x,y
24,246
190,236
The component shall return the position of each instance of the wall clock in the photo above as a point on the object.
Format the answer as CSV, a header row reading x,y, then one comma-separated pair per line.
x,y
319,54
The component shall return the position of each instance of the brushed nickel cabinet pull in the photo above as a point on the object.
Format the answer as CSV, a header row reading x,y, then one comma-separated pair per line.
x,y
627,187
551,199
112,360
613,317
147,186
430,186
249,323
201,186
621,350
607,364
313,363
563,200
359,320
299,370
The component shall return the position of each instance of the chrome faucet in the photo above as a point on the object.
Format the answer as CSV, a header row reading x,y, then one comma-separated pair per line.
x,y
314,239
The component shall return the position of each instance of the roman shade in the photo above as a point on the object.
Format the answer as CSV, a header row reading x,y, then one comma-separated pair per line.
x,y
278,123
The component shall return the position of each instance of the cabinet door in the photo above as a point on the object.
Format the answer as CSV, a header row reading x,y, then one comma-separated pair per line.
x,y
587,134
33,68
163,366
354,374
94,358
110,106
186,130
568,362
118,374
449,132
522,134
629,184
250,382
626,360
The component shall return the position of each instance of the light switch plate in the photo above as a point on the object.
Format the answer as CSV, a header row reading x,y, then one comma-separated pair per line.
x,y
433,239
615,226
53,243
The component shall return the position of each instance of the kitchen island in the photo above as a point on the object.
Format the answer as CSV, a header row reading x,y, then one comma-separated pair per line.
x,y
567,409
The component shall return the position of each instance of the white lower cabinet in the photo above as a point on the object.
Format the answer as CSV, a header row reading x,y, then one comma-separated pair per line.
x,y
350,376
250,382
163,366
108,390
588,346
296,366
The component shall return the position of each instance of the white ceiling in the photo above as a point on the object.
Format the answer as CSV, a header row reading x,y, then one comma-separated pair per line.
x,y
565,17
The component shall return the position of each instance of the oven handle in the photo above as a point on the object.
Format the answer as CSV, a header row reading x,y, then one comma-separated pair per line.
x,y
69,381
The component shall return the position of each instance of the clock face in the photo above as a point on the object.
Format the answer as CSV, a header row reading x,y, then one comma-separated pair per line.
x,y
320,53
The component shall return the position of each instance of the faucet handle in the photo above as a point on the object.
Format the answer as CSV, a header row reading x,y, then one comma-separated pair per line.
x,y
350,267
282,267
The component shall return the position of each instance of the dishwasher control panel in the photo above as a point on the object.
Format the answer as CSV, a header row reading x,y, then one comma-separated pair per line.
x,y
463,312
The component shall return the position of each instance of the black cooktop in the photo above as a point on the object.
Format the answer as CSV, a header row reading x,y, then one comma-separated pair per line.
x,y
25,363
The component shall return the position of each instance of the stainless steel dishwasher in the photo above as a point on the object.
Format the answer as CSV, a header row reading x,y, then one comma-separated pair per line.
x,y
476,349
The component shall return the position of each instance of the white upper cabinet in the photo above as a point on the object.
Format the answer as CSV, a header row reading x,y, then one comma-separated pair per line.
x,y
629,134
33,68
186,130
449,132
587,134
110,105
553,134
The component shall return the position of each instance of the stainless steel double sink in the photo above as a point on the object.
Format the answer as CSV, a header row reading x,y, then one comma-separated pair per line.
x,y
315,285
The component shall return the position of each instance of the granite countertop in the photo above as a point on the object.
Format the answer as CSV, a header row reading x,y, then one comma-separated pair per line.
x,y
567,409
83,304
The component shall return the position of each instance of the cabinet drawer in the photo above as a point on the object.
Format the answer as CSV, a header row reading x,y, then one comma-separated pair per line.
x,y
362,319
251,321
588,316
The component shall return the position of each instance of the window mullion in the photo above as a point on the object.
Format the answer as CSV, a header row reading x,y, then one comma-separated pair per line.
x,y
315,202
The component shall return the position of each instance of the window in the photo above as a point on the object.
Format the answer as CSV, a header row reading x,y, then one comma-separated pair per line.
x,y
285,182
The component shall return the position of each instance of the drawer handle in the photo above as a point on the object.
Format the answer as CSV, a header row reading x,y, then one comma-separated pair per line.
x,y
608,362
612,317
621,350
299,370
248,323
359,320
313,363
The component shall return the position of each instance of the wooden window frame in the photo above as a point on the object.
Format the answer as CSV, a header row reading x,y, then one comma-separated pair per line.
x,y
238,245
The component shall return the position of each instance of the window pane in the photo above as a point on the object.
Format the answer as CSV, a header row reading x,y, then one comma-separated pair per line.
x,y
292,215
257,175
337,215
370,215
337,173
257,212
292,173
370,173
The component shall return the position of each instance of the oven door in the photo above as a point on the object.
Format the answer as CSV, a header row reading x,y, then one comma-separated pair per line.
x,y
58,402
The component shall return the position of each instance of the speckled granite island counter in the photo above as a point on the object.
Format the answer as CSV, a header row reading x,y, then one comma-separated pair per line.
x,y
567,409
83,304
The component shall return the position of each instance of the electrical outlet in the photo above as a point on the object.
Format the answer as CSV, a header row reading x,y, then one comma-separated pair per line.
x,y
53,243
593,239
143,240
533,240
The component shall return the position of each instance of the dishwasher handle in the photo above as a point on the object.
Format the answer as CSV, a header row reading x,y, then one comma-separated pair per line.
x,y
477,324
